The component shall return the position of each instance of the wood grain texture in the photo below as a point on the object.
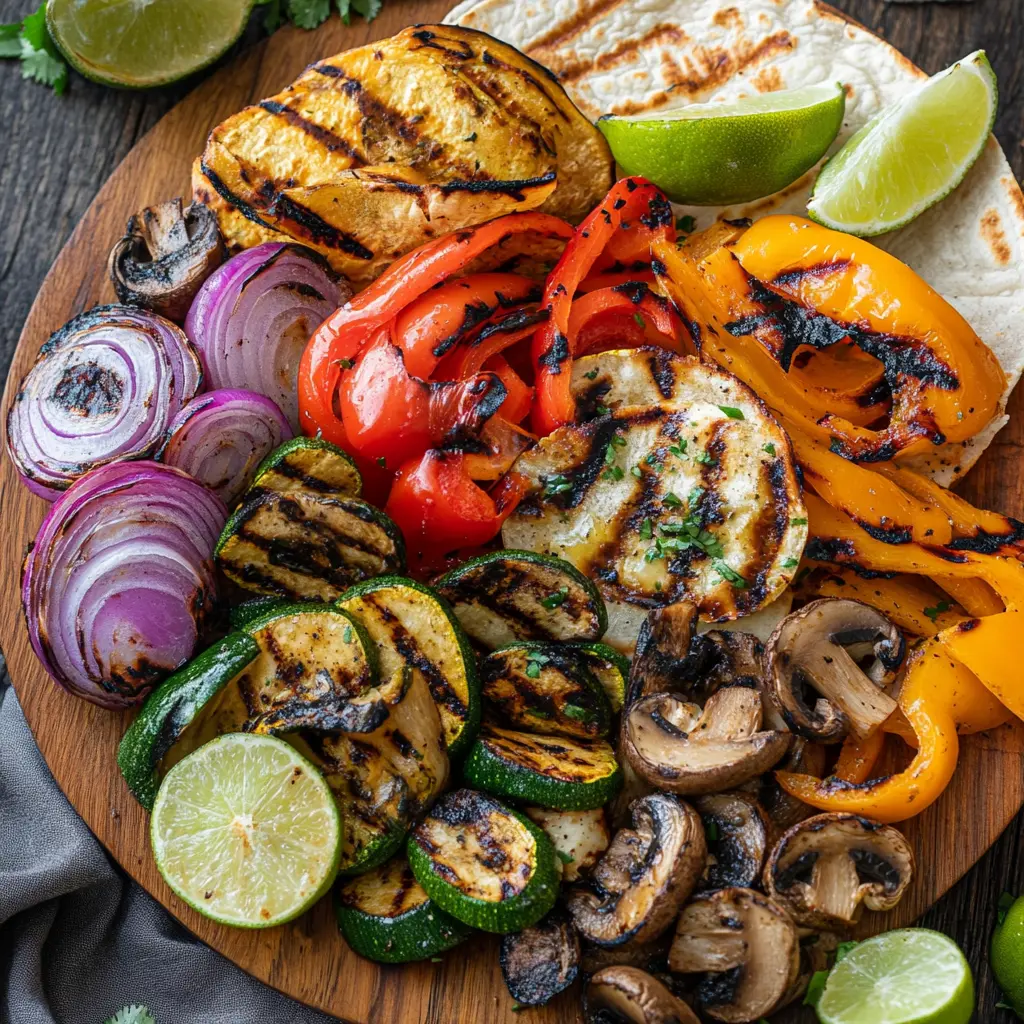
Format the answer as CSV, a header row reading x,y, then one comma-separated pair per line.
x,y
63,150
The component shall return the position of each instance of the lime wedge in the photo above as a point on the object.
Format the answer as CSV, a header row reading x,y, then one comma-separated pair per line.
x,y
910,155
246,831
1008,955
715,154
143,43
912,976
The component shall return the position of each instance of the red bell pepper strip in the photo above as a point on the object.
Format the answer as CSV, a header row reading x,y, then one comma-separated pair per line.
x,y
627,316
633,206
519,395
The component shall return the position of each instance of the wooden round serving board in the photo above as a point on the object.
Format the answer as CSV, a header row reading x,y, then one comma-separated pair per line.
x,y
307,959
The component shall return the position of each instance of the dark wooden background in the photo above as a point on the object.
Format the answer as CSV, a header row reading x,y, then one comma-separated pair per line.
x,y
57,151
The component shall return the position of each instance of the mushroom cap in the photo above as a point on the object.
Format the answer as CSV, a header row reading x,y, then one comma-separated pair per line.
x,y
540,961
734,658
682,748
663,660
165,255
820,648
617,994
825,868
746,947
644,877
737,832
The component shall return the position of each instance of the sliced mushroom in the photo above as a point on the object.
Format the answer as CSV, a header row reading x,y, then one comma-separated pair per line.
x,y
648,956
541,961
686,749
737,834
733,658
825,868
821,648
579,837
784,810
617,995
164,257
745,946
664,661
648,871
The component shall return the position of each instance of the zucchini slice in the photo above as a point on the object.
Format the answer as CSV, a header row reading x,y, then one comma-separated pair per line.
x,y
306,546
549,771
610,668
385,779
245,614
386,916
519,595
545,688
688,492
309,464
411,626
485,864
171,708
579,837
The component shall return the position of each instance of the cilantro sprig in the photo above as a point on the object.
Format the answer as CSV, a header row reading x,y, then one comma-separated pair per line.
x,y
29,41
131,1015
313,13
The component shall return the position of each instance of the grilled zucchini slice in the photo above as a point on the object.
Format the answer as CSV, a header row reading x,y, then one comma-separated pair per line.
x,y
579,837
245,614
307,546
485,864
609,667
545,688
520,595
412,626
309,464
386,916
694,497
385,779
549,771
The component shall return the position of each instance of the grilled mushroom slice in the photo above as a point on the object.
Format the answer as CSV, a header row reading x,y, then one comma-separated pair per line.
x,y
648,956
686,749
617,995
737,835
541,961
733,658
825,868
821,648
663,660
745,946
648,871
165,255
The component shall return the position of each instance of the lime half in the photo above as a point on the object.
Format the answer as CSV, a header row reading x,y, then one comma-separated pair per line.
x,y
143,43
715,154
1008,955
912,154
912,976
246,831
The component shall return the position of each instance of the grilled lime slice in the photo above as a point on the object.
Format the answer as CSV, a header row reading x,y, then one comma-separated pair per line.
x,y
246,831
716,154
910,155
142,43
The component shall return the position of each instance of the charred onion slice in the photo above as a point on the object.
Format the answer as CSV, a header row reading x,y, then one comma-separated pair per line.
x,y
119,583
691,498
104,387
253,316
220,439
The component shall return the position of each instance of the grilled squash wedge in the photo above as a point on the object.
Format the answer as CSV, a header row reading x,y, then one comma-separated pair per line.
x,y
309,464
373,152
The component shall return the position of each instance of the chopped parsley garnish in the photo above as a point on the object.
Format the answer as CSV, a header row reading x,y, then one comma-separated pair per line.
x,y
346,364
672,501
534,664
654,462
348,634
732,412
556,485
790,563
679,449
613,473
686,224
536,712
591,375
618,440
729,574
705,459
576,712
556,600
769,448
646,530
382,462
934,613
693,498
637,472
798,522
602,410
638,317
564,857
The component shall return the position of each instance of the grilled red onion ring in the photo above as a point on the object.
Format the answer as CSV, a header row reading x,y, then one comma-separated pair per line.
x,y
221,437
103,388
120,581
253,316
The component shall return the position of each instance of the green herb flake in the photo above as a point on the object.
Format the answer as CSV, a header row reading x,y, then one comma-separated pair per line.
x,y
637,472
732,412
816,988
790,563
347,635
613,473
591,375
844,949
646,530
798,522
577,713
565,858
768,448
672,501
686,224
133,1014
602,410
556,600
536,712
638,317
934,613
382,462
346,364
555,485
679,448
729,574
706,460
533,669
618,440
472,137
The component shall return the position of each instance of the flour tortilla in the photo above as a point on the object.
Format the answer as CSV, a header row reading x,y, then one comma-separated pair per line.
x,y
626,56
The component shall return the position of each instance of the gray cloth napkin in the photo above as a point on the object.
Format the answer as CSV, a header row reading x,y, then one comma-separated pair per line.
x,y
78,939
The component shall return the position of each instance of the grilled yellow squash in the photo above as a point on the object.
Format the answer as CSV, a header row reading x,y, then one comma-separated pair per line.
x,y
373,152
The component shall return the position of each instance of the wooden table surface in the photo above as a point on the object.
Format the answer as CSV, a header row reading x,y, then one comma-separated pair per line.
x,y
59,150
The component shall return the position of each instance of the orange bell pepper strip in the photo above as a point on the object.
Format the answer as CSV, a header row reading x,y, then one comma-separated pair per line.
x,y
845,380
858,757
946,383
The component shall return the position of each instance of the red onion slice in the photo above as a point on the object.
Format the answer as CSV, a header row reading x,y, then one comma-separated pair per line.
x,y
253,316
120,580
221,437
103,388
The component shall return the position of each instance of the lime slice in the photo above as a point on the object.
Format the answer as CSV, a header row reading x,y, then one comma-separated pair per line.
x,y
246,831
912,154
913,976
715,154
143,43
1008,955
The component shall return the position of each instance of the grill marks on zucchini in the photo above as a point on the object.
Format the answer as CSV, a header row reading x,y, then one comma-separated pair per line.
x,y
687,497
520,595
307,546
309,464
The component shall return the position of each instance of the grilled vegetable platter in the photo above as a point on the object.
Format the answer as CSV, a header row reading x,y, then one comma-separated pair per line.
x,y
574,566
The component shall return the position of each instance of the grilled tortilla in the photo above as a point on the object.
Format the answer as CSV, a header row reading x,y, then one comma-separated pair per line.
x,y
374,152
627,57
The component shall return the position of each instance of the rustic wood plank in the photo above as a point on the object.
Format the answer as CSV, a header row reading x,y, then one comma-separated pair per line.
x,y
59,152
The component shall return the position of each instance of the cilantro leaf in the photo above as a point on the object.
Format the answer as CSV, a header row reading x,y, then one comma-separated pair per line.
x,y
10,43
39,65
816,988
934,613
33,28
131,1015
769,448
30,41
844,949
555,600
732,412
686,224
369,9
309,13
272,16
